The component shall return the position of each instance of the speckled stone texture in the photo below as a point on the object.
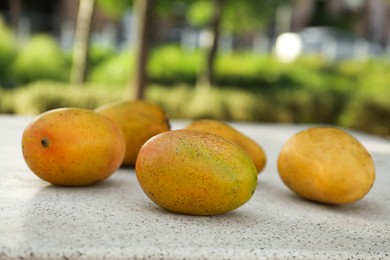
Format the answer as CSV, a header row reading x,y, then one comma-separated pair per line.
x,y
115,219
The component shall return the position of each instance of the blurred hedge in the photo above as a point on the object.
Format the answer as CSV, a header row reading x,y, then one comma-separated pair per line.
x,y
248,86
40,96
40,58
367,109
7,53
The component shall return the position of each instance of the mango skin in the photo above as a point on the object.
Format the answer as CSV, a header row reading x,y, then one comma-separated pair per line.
x,y
326,165
73,147
195,173
223,129
139,121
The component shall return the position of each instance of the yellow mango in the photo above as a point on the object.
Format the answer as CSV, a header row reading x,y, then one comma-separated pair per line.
x,y
72,146
326,164
225,130
139,121
195,172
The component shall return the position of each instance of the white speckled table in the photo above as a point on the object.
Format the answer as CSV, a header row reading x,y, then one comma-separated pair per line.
x,y
115,220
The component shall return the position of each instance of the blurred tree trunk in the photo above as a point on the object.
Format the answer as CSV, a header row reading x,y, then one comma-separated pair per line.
x,y
302,12
206,77
376,21
15,7
145,26
81,41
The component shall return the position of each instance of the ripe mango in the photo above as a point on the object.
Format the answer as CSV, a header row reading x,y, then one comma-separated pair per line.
x,y
326,164
72,146
195,172
139,121
223,129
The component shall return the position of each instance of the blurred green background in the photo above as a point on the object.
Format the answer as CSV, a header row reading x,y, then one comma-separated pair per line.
x,y
333,68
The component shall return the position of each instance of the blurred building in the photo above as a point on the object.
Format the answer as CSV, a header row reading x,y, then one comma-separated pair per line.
x,y
338,29
368,18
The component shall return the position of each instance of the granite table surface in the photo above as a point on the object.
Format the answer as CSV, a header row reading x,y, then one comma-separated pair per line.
x,y
115,219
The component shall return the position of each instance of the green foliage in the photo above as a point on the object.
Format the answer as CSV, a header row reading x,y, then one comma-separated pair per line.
x,y
250,87
41,96
40,58
240,69
367,105
99,54
115,70
174,99
247,15
369,109
6,102
170,64
238,17
200,13
187,102
250,70
235,104
7,53
114,9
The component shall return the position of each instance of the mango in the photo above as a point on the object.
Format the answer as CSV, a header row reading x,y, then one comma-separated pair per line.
x,y
225,130
73,147
326,164
139,121
195,172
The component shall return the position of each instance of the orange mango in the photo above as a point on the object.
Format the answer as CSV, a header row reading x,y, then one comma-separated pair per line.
x,y
195,173
327,165
73,147
138,120
225,130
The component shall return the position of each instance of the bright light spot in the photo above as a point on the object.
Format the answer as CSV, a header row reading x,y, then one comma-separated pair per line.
x,y
288,47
